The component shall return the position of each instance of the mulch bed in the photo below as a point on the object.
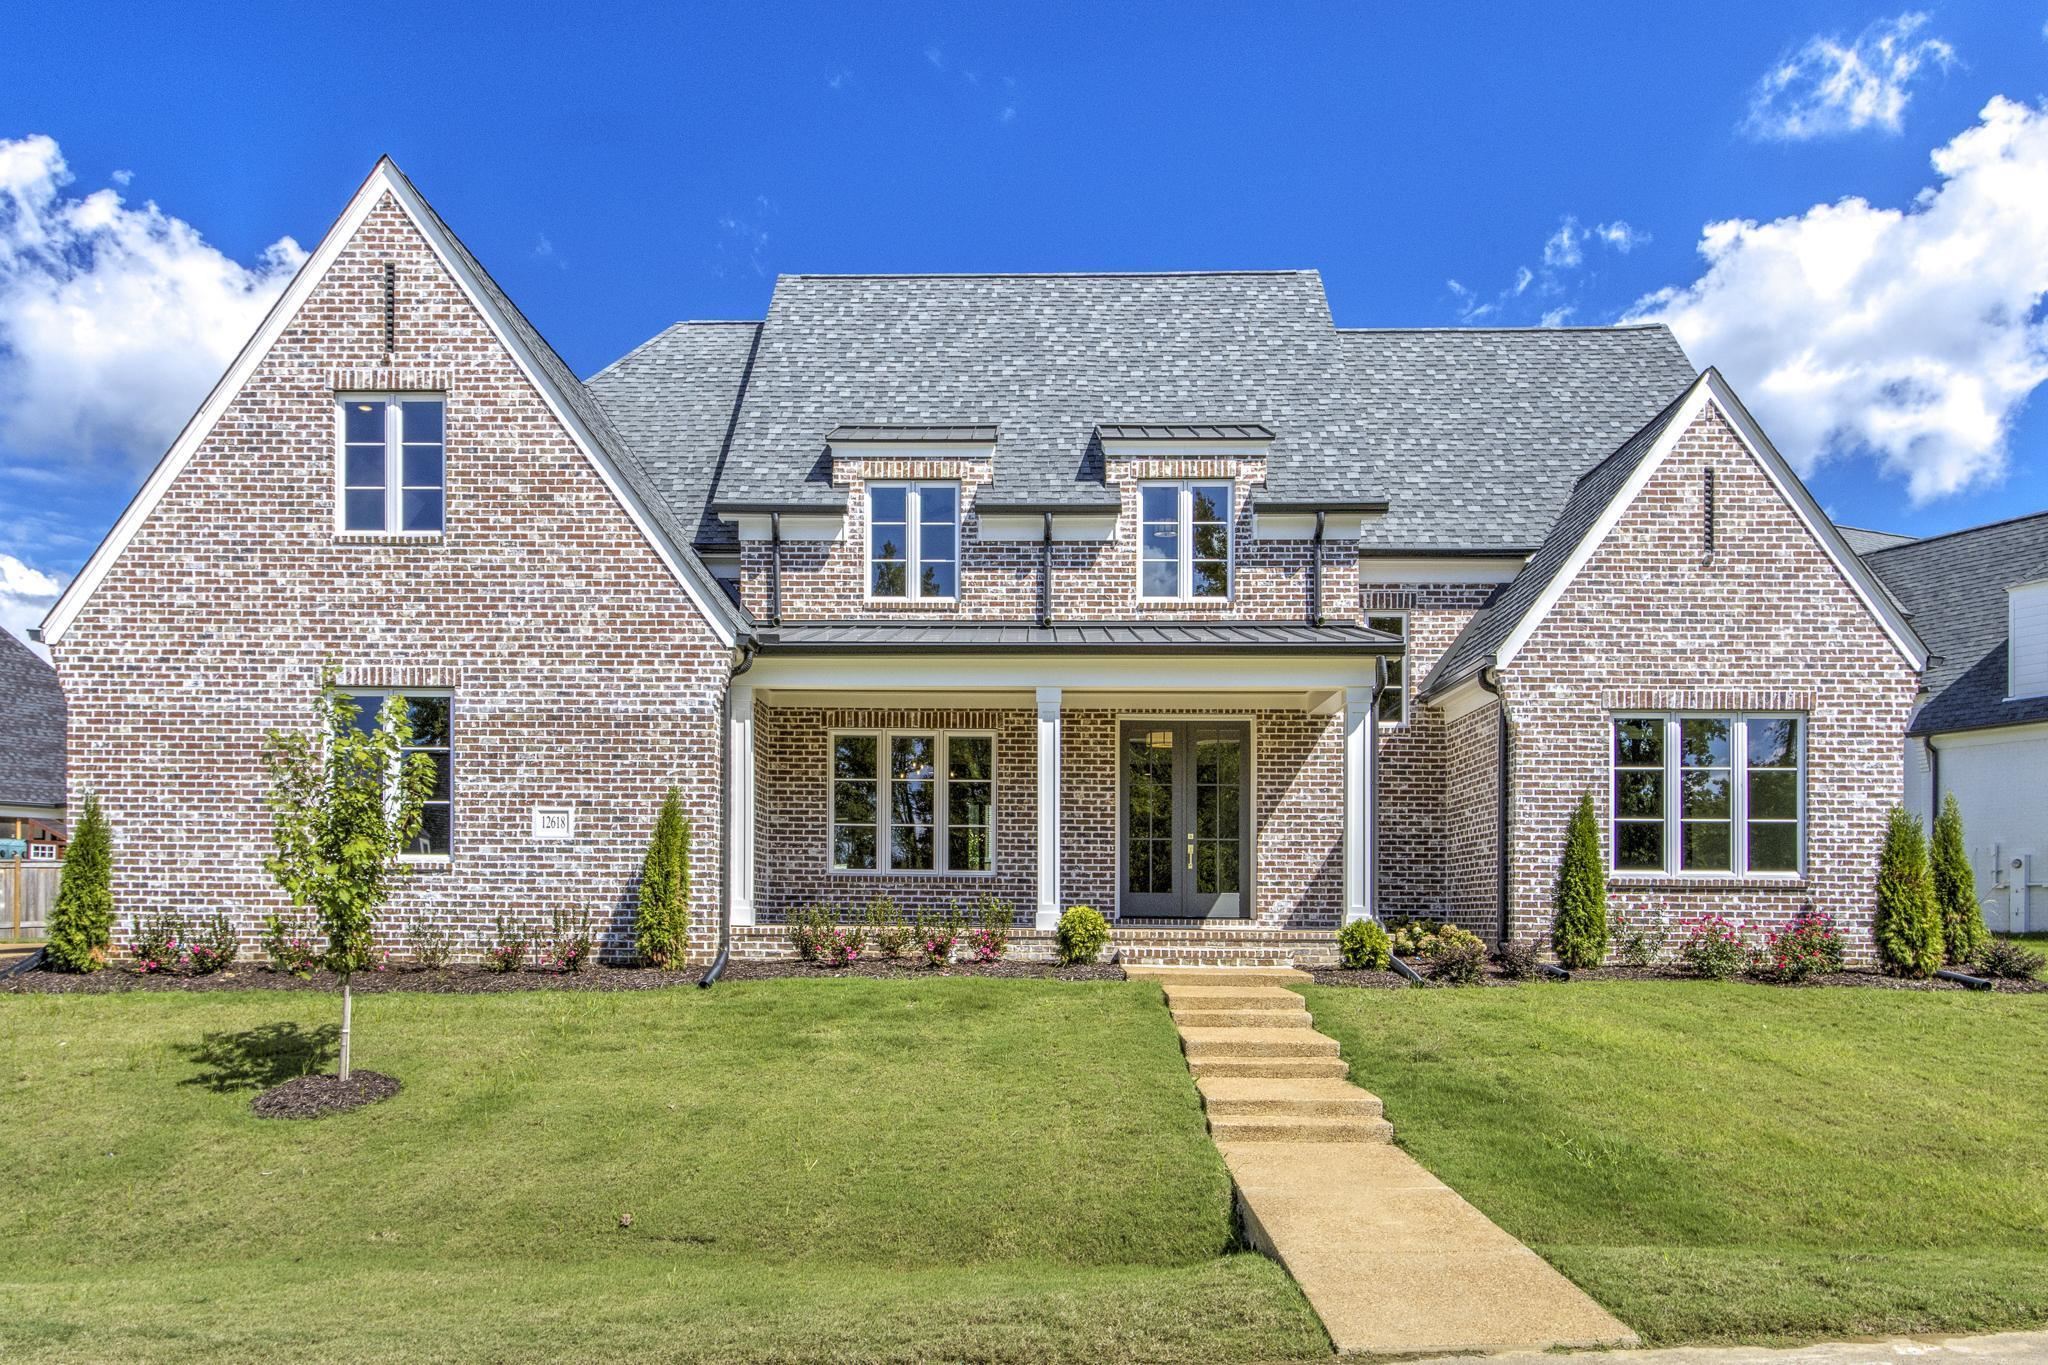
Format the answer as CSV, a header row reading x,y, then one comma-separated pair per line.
x,y
312,1097
882,967
1869,980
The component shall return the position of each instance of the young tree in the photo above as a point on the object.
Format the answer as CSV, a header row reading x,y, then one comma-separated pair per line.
x,y
344,802
83,918
1955,888
1578,927
663,926
1908,927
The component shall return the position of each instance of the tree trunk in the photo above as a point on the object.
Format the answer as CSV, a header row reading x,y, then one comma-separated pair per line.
x,y
347,1008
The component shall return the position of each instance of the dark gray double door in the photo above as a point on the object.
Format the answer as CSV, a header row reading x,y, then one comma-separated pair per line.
x,y
1185,819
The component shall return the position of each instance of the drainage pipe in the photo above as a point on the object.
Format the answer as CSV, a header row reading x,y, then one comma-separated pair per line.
x,y
1975,983
1315,574
717,968
1045,577
1489,679
774,571
1553,971
1404,969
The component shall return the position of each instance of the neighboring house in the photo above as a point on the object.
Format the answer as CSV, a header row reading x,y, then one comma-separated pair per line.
x,y
31,755
1158,593
1980,599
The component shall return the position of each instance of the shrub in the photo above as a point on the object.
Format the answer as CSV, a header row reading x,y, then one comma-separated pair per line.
x,y
937,940
159,943
662,923
808,928
1955,888
82,921
431,943
839,946
1412,937
990,938
1643,948
1578,927
568,945
1908,928
289,946
1809,946
508,947
1082,933
892,937
1363,946
212,946
1456,956
1711,947
2004,957
1516,960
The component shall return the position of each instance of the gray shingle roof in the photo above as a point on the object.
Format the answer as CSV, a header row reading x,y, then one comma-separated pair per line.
x,y
1864,541
1954,586
1100,637
1490,627
31,728
674,399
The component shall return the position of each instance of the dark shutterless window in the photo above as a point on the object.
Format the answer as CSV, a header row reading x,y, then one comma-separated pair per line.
x,y
1708,794
1394,700
914,540
913,802
393,464
432,717
1184,540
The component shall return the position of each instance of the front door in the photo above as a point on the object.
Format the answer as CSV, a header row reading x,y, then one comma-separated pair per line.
x,y
1186,819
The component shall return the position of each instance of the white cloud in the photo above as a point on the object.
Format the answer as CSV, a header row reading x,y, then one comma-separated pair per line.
x,y
1564,249
1830,86
25,597
1913,335
1557,317
114,320
1619,236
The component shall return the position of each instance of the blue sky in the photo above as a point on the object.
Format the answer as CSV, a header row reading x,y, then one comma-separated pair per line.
x,y
623,168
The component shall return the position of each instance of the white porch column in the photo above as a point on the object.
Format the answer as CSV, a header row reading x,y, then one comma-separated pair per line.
x,y
1360,728
1048,910
739,802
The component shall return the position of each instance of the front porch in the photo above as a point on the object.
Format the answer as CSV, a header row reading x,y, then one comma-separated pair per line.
x,y
1211,795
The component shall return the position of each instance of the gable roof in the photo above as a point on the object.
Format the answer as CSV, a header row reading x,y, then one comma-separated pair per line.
x,y
1864,541
556,383
31,728
1954,586
1499,629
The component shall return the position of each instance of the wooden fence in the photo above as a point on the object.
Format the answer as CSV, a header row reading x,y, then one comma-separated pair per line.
x,y
27,891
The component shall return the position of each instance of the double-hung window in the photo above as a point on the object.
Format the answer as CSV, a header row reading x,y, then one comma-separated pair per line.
x,y
1394,700
914,541
431,714
905,801
1709,794
393,464
1184,541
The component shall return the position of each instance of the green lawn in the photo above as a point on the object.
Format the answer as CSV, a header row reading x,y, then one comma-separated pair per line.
x,y
820,1170
1734,1162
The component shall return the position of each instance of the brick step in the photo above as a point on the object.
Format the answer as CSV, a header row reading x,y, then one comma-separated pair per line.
x,y
1273,1068
1199,1018
1300,1097
1256,1042
1299,1128
1197,996
1220,976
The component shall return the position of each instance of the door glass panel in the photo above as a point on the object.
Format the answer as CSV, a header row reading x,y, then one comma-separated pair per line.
x,y
1219,768
1148,811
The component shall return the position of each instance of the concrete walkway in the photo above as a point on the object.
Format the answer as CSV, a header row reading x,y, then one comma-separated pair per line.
x,y
1391,1259
2007,1348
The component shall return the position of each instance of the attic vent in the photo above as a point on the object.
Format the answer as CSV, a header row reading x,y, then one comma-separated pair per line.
x,y
390,307
1707,510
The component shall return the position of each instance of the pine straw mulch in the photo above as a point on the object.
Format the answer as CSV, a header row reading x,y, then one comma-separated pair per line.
x,y
1493,976
312,1097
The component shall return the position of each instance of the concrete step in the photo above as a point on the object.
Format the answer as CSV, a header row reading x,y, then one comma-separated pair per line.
x,y
1221,976
1298,1128
1199,1018
1301,1097
1256,1042
1203,997
1268,1068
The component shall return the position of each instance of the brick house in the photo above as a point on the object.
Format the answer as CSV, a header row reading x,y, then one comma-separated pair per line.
x,y
1159,593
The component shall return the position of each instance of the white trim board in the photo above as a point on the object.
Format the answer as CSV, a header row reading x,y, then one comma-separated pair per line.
x,y
1711,387
383,179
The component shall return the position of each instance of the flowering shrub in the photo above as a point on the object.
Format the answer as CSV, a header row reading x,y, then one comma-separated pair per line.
x,y
290,947
568,945
159,944
892,937
431,943
1642,948
1455,955
508,947
1808,946
840,947
809,928
937,942
1711,946
1517,961
213,946
990,939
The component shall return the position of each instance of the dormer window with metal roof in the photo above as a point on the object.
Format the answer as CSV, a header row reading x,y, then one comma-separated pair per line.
x,y
914,541
1184,541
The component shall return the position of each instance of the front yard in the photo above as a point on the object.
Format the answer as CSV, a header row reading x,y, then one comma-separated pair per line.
x,y
823,1170
1734,1162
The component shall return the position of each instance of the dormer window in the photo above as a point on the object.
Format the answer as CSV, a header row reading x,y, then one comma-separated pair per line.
x,y
914,541
1184,541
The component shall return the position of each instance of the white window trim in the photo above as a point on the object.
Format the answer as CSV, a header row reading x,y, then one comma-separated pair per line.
x,y
1402,722
448,694
394,463
1738,776
1185,542
941,826
913,511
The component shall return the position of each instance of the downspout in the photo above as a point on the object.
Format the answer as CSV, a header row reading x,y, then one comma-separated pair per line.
x,y
1489,679
1372,795
774,575
1315,581
1045,577
1933,780
717,968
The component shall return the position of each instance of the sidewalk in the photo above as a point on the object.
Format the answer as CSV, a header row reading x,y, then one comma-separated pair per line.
x,y
2006,1348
